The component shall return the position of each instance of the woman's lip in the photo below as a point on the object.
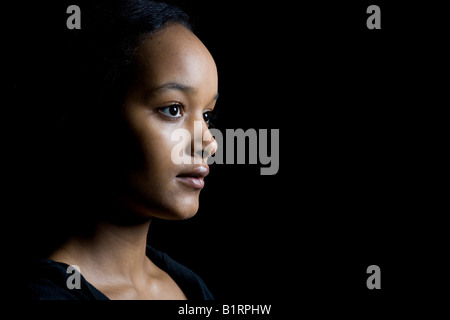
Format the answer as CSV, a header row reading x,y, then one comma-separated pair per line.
x,y
193,182
196,172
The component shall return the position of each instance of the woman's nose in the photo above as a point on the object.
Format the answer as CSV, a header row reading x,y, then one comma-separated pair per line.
x,y
203,144
209,144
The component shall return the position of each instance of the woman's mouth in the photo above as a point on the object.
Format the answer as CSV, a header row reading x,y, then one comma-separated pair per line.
x,y
193,177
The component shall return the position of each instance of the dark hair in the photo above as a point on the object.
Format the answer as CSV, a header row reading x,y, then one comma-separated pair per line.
x,y
111,32
88,140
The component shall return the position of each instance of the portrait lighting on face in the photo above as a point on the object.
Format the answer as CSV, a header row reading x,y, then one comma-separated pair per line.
x,y
143,74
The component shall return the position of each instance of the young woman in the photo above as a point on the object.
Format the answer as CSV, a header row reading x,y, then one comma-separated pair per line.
x,y
142,75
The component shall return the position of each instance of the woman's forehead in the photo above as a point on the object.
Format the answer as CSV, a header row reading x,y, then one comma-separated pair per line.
x,y
175,55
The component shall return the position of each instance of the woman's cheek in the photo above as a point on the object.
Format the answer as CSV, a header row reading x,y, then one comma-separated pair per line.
x,y
159,145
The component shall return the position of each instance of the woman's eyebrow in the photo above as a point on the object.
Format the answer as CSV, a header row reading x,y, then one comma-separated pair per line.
x,y
174,86
180,87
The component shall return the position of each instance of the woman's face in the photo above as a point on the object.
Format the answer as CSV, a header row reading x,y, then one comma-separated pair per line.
x,y
175,86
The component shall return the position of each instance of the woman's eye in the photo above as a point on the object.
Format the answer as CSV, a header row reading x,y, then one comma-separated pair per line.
x,y
173,111
209,118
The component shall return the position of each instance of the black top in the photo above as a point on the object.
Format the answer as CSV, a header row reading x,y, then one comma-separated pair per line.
x,y
50,277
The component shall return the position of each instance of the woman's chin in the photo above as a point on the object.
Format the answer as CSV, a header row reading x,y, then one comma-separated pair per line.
x,y
182,213
178,207
181,209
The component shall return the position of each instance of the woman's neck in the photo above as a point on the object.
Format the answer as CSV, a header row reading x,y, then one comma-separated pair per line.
x,y
110,253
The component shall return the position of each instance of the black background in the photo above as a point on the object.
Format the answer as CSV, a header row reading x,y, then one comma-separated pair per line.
x,y
352,111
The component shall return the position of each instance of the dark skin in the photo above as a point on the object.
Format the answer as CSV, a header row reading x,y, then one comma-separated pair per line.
x,y
175,85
